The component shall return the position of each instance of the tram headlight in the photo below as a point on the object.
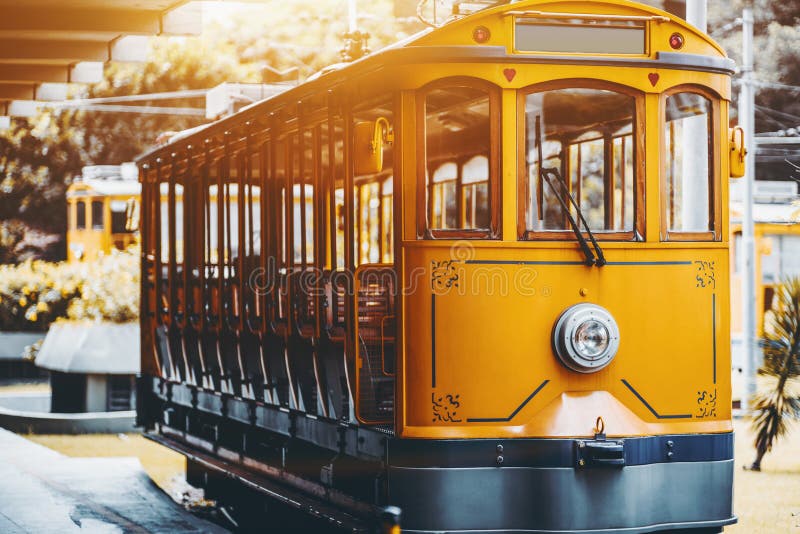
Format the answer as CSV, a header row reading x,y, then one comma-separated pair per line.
x,y
586,338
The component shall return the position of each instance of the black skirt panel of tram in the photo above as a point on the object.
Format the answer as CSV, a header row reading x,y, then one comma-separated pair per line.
x,y
669,482
555,453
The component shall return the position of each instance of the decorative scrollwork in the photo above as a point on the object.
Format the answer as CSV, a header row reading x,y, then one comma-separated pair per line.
x,y
444,275
705,275
445,408
706,404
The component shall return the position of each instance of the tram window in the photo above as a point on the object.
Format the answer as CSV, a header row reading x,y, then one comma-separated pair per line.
x,y
179,223
387,207
444,207
687,137
253,203
458,151
783,260
80,215
337,238
368,206
98,212
373,192
231,220
475,192
164,215
279,215
119,217
303,213
212,235
304,203
587,138
790,256
340,224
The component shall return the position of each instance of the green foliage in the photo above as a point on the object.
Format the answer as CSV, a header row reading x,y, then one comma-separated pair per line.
x,y
33,294
172,65
37,160
779,404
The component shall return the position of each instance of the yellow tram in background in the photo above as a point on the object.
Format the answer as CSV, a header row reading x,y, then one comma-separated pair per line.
x,y
98,211
481,275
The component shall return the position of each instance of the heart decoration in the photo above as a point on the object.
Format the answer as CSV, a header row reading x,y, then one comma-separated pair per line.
x,y
653,77
509,74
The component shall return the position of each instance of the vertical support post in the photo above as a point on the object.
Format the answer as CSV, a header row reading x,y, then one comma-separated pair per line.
x,y
748,255
695,192
697,14
352,16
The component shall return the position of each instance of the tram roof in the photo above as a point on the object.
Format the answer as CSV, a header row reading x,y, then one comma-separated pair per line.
x,y
453,41
94,187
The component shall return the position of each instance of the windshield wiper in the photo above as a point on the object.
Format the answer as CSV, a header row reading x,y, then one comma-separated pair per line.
x,y
547,174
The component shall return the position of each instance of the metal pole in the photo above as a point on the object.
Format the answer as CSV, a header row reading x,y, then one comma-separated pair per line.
x,y
697,14
694,194
748,255
352,16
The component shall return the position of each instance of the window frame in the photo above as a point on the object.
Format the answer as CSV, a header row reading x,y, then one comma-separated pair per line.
x,y
639,136
494,92
714,166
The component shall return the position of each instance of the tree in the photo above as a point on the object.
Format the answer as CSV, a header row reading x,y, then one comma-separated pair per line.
x,y
778,405
40,158
777,60
172,65
37,161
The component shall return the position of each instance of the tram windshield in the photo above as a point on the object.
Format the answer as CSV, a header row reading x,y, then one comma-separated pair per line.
x,y
588,136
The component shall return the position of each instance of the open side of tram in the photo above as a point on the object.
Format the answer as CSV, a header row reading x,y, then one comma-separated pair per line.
x,y
481,275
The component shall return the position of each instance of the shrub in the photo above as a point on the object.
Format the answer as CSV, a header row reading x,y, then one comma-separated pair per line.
x,y
33,294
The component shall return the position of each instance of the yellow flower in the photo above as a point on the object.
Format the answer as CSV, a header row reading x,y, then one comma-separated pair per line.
x,y
42,307
32,317
26,290
23,302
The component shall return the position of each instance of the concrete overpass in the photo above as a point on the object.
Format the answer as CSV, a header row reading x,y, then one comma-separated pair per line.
x,y
47,44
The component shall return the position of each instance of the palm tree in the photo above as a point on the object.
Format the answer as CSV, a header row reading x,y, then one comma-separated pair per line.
x,y
775,407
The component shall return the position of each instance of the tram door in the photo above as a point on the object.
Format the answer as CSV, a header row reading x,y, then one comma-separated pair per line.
x,y
375,274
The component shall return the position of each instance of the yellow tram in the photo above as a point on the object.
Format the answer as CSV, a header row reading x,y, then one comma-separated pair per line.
x,y
98,211
481,275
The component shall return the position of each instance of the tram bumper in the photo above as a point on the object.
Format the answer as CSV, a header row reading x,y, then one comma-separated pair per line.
x,y
553,493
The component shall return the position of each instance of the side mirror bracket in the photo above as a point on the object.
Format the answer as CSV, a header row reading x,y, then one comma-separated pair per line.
x,y
737,152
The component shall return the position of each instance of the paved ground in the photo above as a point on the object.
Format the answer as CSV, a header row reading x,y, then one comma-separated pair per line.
x,y
43,492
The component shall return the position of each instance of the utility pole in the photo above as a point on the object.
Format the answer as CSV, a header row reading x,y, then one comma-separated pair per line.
x,y
352,16
747,266
694,193
697,14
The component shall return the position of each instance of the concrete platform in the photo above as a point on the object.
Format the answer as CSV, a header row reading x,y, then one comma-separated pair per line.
x,y
29,413
43,492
